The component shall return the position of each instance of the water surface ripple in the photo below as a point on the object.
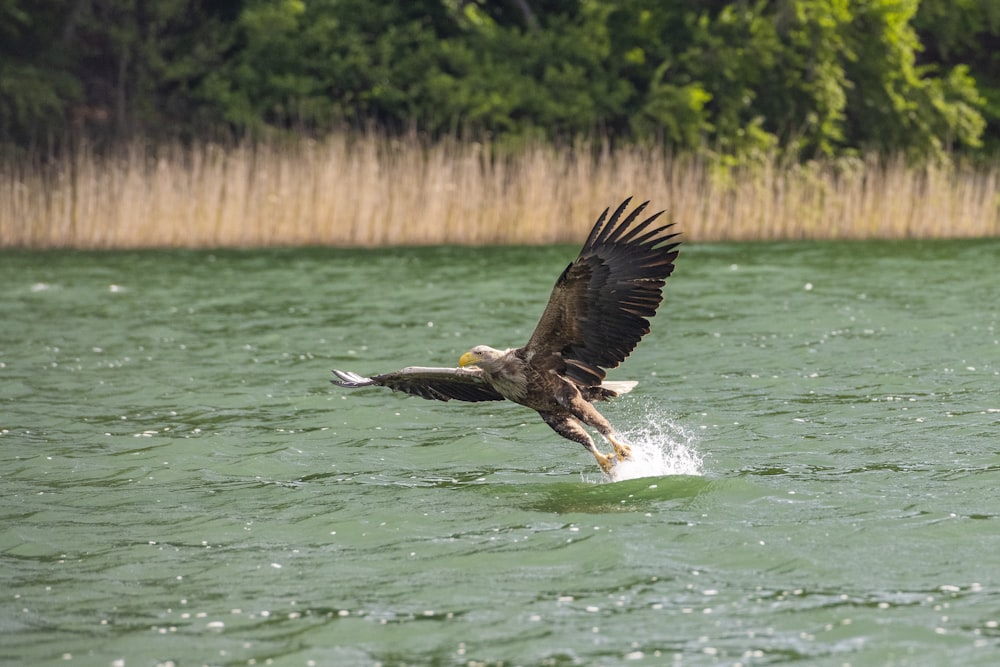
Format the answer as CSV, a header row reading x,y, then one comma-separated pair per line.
x,y
182,486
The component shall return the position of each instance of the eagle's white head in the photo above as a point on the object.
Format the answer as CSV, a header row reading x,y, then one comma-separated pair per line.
x,y
479,354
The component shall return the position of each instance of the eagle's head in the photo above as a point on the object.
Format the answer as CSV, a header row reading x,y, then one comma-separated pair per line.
x,y
479,354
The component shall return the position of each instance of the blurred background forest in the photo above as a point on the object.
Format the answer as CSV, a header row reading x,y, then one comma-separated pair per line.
x,y
816,77
786,81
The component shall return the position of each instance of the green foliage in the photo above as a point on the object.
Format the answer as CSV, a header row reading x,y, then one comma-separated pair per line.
x,y
35,88
962,37
897,104
738,78
512,81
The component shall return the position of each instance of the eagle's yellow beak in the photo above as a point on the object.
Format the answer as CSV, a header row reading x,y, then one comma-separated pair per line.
x,y
467,359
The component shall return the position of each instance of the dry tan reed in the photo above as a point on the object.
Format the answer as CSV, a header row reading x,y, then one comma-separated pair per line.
x,y
372,191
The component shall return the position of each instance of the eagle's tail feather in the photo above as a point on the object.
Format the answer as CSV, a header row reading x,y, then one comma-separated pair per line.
x,y
618,387
608,389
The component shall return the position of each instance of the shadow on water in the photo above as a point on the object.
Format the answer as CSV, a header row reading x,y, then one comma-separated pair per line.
x,y
629,496
585,496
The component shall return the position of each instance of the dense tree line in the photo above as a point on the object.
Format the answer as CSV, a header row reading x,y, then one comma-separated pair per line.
x,y
811,77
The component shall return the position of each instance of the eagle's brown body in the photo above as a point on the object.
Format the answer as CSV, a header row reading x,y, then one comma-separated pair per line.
x,y
595,317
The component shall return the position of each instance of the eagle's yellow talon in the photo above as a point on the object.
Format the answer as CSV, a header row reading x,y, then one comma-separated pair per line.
x,y
606,462
622,450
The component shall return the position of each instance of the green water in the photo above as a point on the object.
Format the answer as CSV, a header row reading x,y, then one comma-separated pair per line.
x,y
181,484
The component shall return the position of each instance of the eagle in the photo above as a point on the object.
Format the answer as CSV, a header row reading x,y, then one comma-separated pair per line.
x,y
596,315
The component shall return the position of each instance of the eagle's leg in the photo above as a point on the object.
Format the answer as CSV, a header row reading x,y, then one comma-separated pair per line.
x,y
588,414
571,429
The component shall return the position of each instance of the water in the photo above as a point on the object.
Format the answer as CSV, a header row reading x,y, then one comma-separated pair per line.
x,y
181,484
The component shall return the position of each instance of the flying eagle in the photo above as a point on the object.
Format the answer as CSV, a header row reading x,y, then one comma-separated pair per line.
x,y
595,317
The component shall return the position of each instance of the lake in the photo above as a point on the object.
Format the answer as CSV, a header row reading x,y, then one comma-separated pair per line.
x,y
819,427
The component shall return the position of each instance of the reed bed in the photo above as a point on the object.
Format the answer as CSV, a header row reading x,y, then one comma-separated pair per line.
x,y
373,191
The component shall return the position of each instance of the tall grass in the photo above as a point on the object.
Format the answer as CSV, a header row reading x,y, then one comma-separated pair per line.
x,y
372,191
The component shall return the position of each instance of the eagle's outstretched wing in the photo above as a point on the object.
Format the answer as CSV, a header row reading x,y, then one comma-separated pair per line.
x,y
442,384
597,311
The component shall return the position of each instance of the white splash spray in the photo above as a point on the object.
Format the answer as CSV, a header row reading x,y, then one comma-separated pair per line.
x,y
660,447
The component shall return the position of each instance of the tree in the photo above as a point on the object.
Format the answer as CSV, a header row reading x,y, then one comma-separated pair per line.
x,y
896,104
36,84
959,34
736,77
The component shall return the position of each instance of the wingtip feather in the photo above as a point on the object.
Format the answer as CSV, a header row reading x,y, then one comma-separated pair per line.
x,y
351,380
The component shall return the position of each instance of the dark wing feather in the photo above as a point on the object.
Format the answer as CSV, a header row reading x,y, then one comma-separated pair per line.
x,y
598,309
442,384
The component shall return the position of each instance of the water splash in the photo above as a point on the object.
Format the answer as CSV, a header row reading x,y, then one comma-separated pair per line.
x,y
660,447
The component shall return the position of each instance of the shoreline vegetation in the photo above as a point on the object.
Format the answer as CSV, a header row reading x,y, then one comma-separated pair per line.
x,y
371,191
